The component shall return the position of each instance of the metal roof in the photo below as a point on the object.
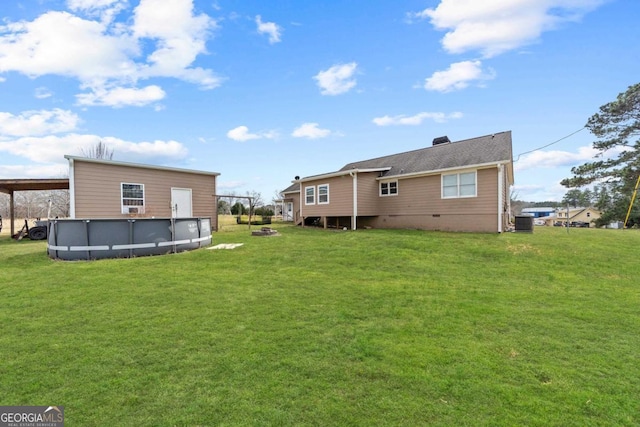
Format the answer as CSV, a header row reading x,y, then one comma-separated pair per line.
x,y
10,185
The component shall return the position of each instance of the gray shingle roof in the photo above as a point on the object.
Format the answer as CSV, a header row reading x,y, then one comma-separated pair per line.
x,y
482,150
474,151
293,188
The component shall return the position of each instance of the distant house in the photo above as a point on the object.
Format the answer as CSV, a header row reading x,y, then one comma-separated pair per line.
x,y
574,216
456,186
113,189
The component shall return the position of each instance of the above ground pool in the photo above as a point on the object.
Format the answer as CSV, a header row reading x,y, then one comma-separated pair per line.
x,y
87,239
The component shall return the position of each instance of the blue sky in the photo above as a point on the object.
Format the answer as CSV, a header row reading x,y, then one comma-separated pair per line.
x,y
263,91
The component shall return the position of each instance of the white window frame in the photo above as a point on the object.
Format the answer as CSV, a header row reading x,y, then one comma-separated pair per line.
x,y
320,202
458,185
313,195
389,192
125,208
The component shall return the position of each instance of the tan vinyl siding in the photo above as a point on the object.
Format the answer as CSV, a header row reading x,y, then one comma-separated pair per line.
x,y
340,197
368,194
419,204
295,199
97,190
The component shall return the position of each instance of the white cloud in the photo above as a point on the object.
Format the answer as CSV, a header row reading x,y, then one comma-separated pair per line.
x,y
242,134
337,79
121,96
416,119
42,93
169,150
496,26
310,131
272,29
458,76
180,37
64,44
162,39
31,123
547,192
555,158
91,4
230,185
52,148
105,9
28,171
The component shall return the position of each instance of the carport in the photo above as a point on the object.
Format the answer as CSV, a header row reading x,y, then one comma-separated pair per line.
x,y
10,186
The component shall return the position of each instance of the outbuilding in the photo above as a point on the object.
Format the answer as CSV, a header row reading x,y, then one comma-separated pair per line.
x,y
120,209
113,189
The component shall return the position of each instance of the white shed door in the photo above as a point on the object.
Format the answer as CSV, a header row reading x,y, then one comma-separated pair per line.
x,y
181,203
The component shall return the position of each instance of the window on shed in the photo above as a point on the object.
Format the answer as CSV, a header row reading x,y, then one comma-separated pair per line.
x,y
132,198
310,195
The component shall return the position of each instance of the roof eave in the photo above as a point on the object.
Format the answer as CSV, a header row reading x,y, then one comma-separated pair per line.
x,y
339,173
444,170
138,165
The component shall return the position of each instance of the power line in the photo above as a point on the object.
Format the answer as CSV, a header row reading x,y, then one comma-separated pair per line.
x,y
550,144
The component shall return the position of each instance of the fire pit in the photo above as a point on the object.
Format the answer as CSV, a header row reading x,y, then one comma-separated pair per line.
x,y
265,231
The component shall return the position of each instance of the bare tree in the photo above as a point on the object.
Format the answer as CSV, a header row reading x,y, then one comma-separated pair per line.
x,y
60,201
98,151
256,199
4,205
29,204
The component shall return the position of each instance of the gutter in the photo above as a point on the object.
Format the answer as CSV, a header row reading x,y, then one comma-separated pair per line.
x,y
500,195
339,173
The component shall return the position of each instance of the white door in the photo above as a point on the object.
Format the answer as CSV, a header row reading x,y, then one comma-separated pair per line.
x,y
181,203
289,213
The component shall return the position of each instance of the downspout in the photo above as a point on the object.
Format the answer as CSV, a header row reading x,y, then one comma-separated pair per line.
x,y
72,192
354,175
301,201
500,196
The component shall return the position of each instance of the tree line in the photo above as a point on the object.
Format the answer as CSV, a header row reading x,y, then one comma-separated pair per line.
x,y
36,204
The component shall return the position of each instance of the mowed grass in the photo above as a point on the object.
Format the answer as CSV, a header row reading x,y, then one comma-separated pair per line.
x,y
327,328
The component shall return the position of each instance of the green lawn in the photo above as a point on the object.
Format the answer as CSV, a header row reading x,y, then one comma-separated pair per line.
x,y
326,328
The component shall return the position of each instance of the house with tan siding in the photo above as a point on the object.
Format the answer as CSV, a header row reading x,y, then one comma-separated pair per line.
x,y
112,189
573,215
450,186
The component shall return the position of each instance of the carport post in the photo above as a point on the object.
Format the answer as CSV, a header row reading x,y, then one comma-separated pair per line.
x,y
11,213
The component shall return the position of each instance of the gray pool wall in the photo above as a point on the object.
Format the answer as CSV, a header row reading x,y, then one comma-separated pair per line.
x,y
88,239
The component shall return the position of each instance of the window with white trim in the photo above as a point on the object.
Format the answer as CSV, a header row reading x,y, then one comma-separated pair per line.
x,y
388,188
459,185
323,194
310,195
132,198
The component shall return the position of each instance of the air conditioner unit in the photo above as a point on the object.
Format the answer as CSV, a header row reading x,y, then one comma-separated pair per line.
x,y
134,210
524,223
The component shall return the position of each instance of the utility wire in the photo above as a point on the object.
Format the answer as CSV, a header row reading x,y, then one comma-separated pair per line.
x,y
550,144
